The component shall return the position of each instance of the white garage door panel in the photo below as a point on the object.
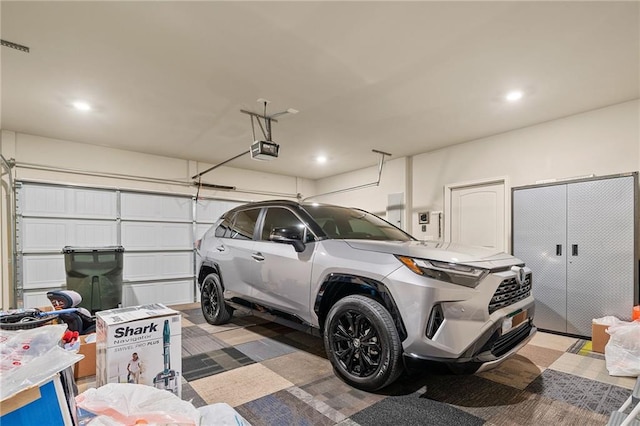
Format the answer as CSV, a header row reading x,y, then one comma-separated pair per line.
x,y
139,236
68,202
44,271
43,200
36,299
156,236
155,207
177,264
139,266
95,203
201,228
172,292
92,234
43,234
53,234
148,266
177,236
210,210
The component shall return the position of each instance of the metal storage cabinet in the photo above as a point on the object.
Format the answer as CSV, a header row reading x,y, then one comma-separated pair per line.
x,y
580,240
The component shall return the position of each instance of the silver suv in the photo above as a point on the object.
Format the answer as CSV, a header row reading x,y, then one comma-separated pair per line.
x,y
375,294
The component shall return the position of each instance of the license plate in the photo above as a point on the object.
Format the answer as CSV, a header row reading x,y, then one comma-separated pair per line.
x,y
513,320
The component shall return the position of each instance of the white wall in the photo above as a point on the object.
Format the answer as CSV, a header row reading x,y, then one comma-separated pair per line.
x,y
373,199
601,142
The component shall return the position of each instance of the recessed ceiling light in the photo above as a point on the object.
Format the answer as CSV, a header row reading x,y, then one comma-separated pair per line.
x,y
321,159
514,95
82,106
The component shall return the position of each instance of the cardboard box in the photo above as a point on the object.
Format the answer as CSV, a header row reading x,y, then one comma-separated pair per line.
x,y
86,366
32,405
599,337
151,332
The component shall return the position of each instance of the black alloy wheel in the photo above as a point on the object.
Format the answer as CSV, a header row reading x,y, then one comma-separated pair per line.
x,y
356,344
362,343
214,308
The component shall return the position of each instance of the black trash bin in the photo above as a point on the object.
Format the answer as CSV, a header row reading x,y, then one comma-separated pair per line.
x,y
95,273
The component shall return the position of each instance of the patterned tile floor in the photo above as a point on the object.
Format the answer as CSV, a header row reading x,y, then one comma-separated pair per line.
x,y
274,375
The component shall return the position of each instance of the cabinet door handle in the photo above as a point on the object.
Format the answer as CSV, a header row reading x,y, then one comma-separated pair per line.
x,y
558,249
574,250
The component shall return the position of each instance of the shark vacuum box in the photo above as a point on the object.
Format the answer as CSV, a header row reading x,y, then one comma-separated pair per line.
x,y
140,344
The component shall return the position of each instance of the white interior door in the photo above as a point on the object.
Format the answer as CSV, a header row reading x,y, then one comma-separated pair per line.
x,y
477,215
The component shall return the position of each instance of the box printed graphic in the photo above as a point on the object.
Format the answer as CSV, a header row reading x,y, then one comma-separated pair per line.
x,y
140,344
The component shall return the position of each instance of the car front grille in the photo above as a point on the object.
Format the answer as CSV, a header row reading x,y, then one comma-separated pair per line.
x,y
510,292
508,341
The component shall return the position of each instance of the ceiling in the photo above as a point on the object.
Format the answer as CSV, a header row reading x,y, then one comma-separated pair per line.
x,y
170,78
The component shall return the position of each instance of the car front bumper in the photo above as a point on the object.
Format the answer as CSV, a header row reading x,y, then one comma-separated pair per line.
x,y
494,351
468,334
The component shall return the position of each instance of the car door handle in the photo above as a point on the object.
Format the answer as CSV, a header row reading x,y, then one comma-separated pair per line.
x,y
258,256
220,248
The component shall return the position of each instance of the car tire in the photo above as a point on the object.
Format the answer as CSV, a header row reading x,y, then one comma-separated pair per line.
x,y
214,308
362,343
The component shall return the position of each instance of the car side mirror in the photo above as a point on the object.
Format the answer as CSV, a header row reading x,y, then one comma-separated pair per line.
x,y
289,235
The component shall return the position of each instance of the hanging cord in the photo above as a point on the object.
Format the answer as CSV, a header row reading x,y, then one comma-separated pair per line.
x,y
199,186
267,122
253,128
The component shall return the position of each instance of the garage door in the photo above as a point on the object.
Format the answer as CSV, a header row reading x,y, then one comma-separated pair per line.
x,y
157,232
49,218
157,236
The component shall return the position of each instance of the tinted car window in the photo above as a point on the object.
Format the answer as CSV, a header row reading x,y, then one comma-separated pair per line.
x,y
224,229
277,217
343,223
244,223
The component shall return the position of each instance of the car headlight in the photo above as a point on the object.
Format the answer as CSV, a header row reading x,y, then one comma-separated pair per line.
x,y
454,273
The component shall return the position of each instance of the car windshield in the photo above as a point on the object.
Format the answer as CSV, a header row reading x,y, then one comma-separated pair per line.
x,y
346,223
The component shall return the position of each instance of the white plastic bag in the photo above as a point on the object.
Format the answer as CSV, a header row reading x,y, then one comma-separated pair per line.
x,y
130,404
29,357
609,320
622,353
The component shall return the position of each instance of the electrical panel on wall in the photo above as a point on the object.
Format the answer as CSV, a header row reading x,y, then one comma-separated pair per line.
x,y
430,225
